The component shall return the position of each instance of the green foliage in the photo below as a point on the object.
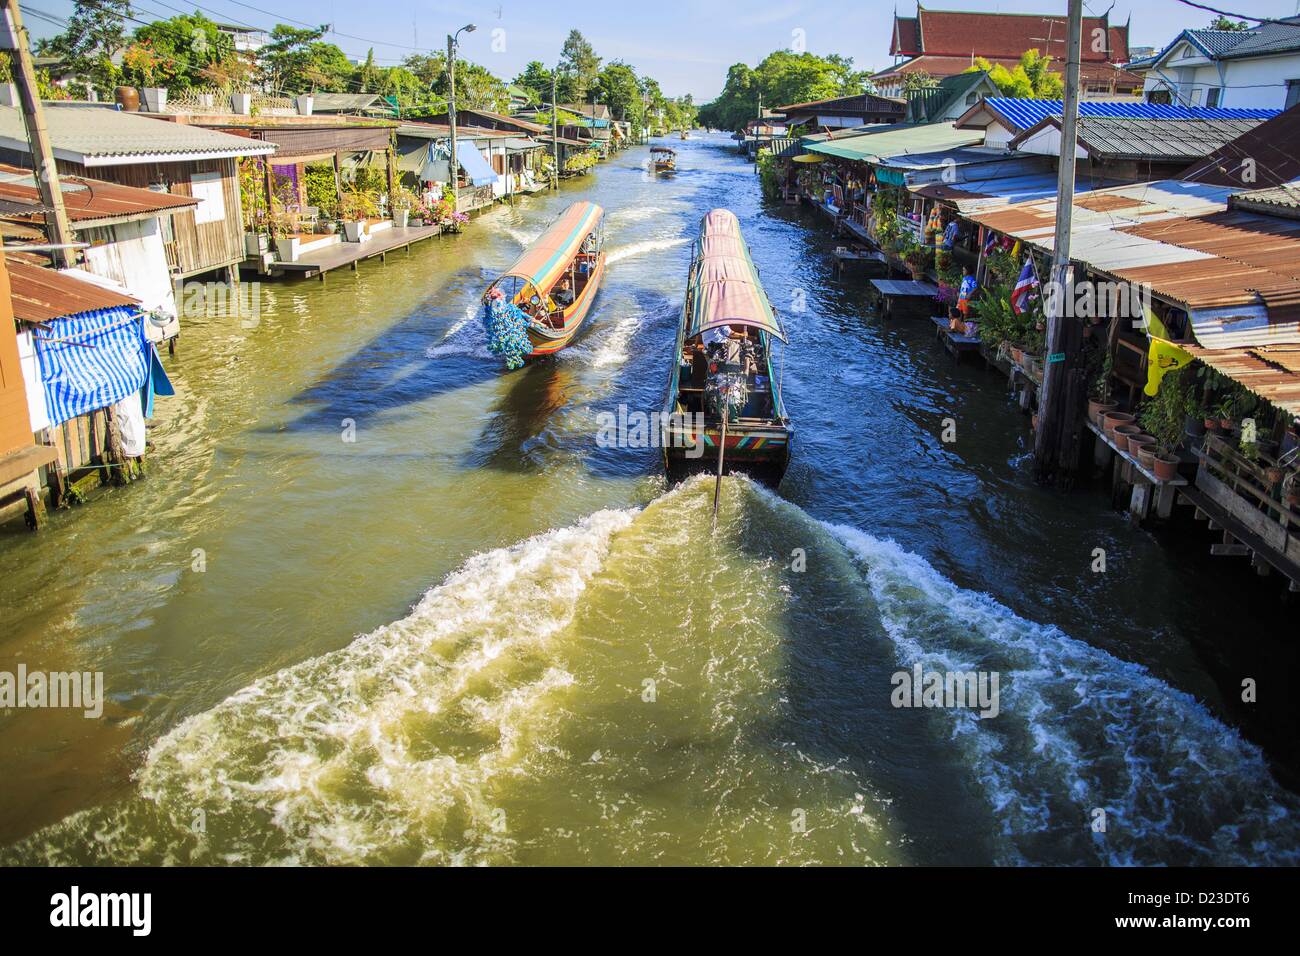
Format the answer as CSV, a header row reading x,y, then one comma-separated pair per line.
x,y
536,79
96,31
769,175
319,180
252,194
183,52
920,80
1225,23
580,162
783,77
580,66
1032,77
1162,416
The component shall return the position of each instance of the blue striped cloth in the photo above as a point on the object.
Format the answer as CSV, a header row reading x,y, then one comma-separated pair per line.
x,y
91,360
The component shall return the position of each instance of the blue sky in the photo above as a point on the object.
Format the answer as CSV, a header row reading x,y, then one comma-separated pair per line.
x,y
686,44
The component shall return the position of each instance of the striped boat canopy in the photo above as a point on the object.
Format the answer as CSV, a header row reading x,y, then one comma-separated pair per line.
x,y
91,360
545,260
723,287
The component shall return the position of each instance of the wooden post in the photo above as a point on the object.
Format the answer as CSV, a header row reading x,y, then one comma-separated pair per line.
x,y
1051,404
338,179
392,189
14,38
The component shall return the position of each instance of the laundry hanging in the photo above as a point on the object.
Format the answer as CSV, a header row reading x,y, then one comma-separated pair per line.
x,y
91,360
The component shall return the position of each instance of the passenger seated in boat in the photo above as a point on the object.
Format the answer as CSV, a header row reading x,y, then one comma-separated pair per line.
x,y
563,295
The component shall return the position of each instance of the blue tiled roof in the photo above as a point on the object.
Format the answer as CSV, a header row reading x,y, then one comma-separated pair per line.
x,y
1027,113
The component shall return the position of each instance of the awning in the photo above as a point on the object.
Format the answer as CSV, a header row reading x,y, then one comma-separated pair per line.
x,y
520,145
475,166
723,288
897,140
91,360
545,260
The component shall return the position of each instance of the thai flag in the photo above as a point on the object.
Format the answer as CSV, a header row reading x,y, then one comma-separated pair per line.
x,y
1024,293
989,241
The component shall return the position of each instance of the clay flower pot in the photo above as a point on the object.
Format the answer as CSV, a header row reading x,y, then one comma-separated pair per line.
x,y
1112,420
1165,467
1097,408
1147,456
1212,425
1123,433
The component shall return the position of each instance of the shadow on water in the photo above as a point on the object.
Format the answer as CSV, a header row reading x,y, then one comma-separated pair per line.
x,y
365,384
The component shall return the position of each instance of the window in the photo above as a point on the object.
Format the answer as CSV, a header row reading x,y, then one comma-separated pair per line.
x,y
1292,93
971,98
1212,96
206,188
1159,96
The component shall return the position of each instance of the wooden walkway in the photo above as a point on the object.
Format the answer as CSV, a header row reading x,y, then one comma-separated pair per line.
x,y
350,253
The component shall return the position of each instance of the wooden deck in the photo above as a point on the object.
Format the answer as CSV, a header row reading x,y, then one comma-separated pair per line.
x,y
957,344
350,253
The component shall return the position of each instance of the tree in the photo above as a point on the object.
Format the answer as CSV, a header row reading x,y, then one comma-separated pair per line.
x,y
621,92
1224,23
96,32
297,61
1031,78
180,53
781,78
536,79
582,66
918,80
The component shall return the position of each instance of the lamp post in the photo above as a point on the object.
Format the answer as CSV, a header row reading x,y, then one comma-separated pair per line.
x,y
454,173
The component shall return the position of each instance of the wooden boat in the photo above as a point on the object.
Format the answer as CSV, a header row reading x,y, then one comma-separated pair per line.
x,y
663,159
566,262
683,134
723,365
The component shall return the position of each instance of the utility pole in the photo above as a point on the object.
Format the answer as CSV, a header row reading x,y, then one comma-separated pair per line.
x,y
555,128
454,173
13,37
1053,418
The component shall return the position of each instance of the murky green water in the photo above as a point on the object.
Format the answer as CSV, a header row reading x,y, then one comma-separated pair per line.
x,y
473,635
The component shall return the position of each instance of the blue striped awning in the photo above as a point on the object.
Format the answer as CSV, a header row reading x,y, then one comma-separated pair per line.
x,y
91,360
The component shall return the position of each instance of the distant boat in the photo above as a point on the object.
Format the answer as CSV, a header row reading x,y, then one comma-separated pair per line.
x,y
722,365
548,292
683,134
663,159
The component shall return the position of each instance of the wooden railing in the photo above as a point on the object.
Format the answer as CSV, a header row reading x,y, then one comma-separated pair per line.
x,y
1246,489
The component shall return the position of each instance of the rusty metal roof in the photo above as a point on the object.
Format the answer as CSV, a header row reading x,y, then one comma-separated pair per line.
x,y
41,295
88,201
1266,156
1271,372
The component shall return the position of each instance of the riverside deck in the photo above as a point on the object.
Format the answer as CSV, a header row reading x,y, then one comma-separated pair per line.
x,y
350,253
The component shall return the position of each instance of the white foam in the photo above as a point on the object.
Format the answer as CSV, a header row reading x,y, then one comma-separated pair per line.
x,y
641,248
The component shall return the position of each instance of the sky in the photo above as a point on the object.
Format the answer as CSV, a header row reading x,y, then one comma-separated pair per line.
x,y
687,45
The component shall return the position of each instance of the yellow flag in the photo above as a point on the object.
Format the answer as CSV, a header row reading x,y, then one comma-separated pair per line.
x,y
1015,251
1163,357
1155,327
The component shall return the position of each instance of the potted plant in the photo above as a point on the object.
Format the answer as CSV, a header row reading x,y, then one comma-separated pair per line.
x,y
285,226
1099,401
917,258
403,202
355,208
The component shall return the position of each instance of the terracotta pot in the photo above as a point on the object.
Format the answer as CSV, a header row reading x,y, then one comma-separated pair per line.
x,y
1212,425
1225,424
1147,456
1165,467
1123,433
1112,420
1274,475
1096,408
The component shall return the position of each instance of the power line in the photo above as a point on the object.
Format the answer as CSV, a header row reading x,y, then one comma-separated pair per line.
x,y
1229,13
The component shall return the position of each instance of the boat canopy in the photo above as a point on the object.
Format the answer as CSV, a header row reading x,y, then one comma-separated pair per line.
x,y
723,288
542,263
663,149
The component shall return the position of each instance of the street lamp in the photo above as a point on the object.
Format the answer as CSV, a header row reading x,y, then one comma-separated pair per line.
x,y
454,174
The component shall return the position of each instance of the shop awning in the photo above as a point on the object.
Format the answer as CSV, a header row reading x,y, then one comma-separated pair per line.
x,y
475,166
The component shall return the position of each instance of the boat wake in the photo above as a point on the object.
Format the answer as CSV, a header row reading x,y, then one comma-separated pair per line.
x,y
641,248
634,689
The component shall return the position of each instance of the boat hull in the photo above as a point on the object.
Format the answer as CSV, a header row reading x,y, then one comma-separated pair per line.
x,y
548,341
761,452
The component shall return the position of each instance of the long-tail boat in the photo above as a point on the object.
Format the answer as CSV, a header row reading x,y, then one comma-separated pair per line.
x,y
536,306
663,159
723,391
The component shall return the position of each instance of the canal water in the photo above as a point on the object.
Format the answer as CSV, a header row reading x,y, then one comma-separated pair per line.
x,y
379,602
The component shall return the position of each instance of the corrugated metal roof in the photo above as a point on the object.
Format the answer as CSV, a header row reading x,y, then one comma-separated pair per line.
x,y
1170,140
973,193
94,201
898,140
42,295
1277,200
101,137
783,147
1266,39
1023,114
1271,372
339,102
1265,156
1237,274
